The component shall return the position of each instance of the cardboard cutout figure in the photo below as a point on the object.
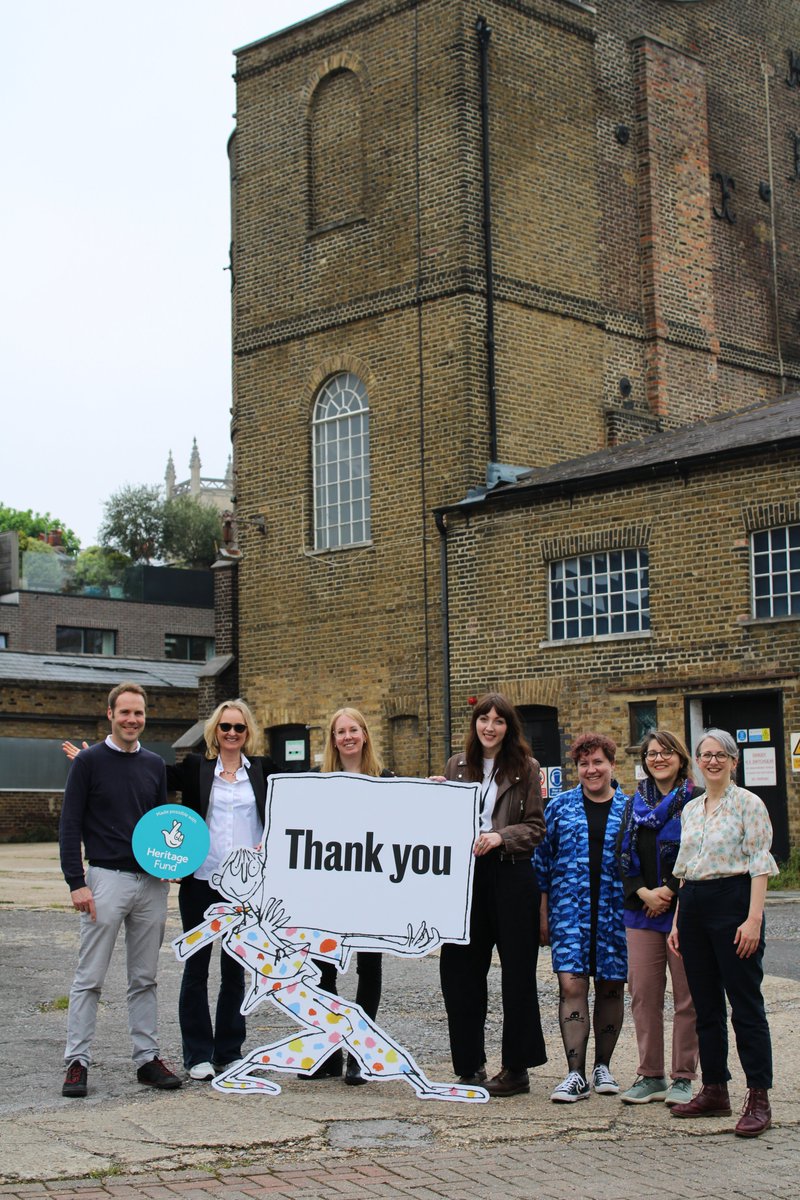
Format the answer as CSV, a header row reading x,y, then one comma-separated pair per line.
x,y
277,955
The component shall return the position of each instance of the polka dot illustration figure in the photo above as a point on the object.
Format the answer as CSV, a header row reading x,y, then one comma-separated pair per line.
x,y
277,957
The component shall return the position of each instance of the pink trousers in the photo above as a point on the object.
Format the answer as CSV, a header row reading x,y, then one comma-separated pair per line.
x,y
648,962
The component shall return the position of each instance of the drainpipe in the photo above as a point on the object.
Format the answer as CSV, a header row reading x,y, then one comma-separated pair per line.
x,y
441,525
484,33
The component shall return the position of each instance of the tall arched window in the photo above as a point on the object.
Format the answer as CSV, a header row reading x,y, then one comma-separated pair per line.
x,y
341,463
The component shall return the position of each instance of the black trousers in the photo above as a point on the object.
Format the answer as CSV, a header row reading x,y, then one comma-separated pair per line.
x,y
369,966
505,914
222,1041
708,917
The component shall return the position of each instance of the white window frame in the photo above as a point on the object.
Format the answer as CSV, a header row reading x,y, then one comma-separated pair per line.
x,y
775,572
341,464
604,593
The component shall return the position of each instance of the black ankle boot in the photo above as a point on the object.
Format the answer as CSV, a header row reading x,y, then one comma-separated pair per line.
x,y
331,1068
353,1075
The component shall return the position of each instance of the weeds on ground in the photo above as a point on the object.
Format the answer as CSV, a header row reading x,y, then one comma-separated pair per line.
x,y
789,878
56,1005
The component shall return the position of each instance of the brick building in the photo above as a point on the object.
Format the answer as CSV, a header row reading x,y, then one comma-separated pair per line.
x,y
471,241
60,655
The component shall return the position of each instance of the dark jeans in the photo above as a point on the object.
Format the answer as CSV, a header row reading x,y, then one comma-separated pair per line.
x,y
202,1042
505,913
708,917
369,966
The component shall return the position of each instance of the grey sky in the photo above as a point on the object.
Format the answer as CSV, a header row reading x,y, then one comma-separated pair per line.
x,y
114,303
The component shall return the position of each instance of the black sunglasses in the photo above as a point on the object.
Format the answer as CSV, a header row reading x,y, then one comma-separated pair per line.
x,y
226,727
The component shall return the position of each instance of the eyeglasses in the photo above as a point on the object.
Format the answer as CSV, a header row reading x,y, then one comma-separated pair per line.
x,y
720,756
652,755
226,727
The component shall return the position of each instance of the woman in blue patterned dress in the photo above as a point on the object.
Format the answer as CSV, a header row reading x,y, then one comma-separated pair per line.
x,y
581,913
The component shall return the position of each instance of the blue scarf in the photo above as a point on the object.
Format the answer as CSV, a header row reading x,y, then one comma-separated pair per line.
x,y
649,809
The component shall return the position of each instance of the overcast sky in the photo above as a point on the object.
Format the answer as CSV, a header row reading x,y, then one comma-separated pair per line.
x,y
114,301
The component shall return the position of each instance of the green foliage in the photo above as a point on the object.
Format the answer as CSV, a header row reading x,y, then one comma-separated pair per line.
x,y
98,568
42,569
29,525
191,533
789,878
133,523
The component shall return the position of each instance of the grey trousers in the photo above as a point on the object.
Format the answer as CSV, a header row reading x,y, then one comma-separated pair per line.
x,y
140,901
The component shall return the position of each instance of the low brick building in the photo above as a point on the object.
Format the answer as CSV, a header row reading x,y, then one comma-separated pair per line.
x,y
655,584
45,698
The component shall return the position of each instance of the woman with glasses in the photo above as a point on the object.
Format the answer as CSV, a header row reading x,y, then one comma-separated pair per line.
x,y
647,847
724,863
227,786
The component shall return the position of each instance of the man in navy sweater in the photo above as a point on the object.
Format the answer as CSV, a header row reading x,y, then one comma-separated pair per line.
x,y
109,787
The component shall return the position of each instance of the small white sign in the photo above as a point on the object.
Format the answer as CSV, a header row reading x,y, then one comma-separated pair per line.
x,y
295,751
759,767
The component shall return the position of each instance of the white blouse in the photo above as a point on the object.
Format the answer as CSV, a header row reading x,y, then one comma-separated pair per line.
x,y
232,818
734,840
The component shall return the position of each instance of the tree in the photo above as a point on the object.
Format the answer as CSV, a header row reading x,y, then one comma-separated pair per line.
x,y
191,532
29,525
133,522
98,568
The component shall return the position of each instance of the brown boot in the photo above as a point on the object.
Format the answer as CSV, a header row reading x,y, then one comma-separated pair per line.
x,y
508,1083
711,1101
756,1114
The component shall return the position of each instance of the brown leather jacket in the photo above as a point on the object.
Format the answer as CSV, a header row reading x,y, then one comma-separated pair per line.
x,y
518,814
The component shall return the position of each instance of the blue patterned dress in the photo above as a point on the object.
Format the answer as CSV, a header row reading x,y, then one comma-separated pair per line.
x,y
562,867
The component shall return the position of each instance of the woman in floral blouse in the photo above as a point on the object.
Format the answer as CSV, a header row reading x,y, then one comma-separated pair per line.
x,y
724,862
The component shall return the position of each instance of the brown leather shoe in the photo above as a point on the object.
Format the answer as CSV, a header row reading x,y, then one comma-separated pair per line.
x,y
756,1114
711,1101
508,1083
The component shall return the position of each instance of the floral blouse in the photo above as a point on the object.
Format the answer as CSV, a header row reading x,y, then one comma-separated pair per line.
x,y
734,840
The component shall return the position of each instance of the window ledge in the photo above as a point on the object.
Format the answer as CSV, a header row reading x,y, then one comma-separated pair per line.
x,y
748,622
597,638
339,549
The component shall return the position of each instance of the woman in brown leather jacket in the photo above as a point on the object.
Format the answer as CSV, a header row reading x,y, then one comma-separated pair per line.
x,y
505,903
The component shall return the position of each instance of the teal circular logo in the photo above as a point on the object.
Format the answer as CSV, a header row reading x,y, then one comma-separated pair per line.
x,y
171,841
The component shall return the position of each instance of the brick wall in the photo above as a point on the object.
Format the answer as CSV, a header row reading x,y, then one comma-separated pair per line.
x,y
140,628
702,639
606,128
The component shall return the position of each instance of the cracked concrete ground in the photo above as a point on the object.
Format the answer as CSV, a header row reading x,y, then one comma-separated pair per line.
x,y
123,1130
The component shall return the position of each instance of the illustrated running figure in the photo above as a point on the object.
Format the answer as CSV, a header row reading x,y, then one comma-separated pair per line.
x,y
278,959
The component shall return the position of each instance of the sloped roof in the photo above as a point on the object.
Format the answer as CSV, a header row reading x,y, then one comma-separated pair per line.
x,y
95,669
773,426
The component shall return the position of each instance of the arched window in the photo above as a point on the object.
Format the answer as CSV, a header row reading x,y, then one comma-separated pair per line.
x,y
341,463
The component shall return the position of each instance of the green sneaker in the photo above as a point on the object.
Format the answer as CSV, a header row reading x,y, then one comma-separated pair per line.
x,y
680,1092
647,1088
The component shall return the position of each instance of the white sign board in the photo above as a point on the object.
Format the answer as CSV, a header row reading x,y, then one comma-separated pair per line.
x,y
372,856
759,767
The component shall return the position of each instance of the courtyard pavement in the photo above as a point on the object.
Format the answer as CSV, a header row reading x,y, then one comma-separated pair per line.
x,y
324,1139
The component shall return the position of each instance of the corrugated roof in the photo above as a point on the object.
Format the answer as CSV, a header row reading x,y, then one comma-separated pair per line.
x,y
96,669
775,425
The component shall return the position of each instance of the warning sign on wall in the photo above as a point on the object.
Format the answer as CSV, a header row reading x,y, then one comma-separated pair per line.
x,y
794,750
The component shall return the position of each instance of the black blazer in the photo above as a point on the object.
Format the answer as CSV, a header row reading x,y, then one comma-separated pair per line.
x,y
194,777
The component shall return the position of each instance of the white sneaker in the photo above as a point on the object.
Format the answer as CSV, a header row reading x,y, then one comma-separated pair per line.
x,y
603,1081
202,1071
573,1088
